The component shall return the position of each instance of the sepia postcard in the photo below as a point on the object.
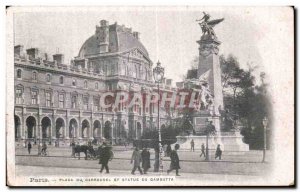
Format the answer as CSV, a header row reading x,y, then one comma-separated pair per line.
x,y
150,96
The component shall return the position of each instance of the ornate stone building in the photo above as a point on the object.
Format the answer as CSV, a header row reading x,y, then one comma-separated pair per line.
x,y
54,100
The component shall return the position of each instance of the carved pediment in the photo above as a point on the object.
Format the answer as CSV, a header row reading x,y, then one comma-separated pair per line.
x,y
136,53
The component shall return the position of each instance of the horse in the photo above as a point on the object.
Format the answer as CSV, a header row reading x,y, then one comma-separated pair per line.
x,y
85,149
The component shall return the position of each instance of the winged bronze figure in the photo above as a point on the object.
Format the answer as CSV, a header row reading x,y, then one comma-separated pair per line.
x,y
207,25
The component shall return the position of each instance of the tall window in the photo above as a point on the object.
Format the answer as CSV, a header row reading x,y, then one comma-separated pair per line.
x,y
61,100
74,82
19,73
61,80
19,93
96,103
48,99
85,102
85,84
48,78
74,101
34,76
34,96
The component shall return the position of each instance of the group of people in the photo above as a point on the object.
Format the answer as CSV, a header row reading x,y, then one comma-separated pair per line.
x,y
218,153
143,158
42,151
140,157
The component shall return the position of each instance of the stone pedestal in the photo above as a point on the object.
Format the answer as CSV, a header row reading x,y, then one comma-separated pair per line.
x,y
228,142
185,142
233,141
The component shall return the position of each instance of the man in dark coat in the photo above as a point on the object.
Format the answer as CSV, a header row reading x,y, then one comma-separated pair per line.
x,y
145,160
29,147
192,145
136,160
202,150
174,161
105,157
218,152
73,149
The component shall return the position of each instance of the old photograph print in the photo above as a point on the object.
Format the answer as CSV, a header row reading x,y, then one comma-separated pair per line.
x,y
150,96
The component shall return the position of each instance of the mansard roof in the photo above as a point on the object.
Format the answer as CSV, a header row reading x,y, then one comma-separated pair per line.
x,y
121,39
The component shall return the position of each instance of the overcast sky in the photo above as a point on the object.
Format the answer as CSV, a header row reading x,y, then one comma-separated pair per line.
x,y
169,34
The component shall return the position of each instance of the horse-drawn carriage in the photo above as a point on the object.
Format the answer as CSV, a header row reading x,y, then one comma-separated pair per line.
x,y
90,151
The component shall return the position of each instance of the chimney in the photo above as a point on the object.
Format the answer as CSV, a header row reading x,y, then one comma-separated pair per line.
x,y
103,23
32,53
59,58
102,34
18,50
136,35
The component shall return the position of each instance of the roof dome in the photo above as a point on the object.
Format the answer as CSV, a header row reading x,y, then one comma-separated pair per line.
x,y
111,39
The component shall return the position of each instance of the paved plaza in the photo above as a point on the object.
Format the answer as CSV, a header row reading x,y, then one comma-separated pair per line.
x,y
60,162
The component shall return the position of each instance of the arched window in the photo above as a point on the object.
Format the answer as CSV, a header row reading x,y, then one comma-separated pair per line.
x,y
61,80
74,82
96,85
85,84
48,79
19,73
34,75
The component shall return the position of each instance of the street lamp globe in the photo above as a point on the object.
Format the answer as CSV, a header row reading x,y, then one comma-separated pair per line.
x,y
158,73
265,121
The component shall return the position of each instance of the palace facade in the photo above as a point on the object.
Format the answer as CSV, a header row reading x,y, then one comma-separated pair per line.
x,y
58,101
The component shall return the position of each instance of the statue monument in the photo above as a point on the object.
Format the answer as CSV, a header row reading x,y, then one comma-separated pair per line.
x,y
208,84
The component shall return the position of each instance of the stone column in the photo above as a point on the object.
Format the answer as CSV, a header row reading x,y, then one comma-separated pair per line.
x,y
209,65
53,131
67,131
23,127
112,129
91,129
79,129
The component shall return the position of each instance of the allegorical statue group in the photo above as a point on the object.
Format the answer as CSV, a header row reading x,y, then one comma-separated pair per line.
x,y
207,25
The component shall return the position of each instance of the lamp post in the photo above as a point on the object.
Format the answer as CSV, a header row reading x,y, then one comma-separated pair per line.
x,y
265,124
158,73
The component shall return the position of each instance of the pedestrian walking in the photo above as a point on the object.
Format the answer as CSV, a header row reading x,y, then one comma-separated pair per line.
x,y
29,147
202,150
44,149
145,160
136,159
192,145
218,152
73,149
174,161
105,156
